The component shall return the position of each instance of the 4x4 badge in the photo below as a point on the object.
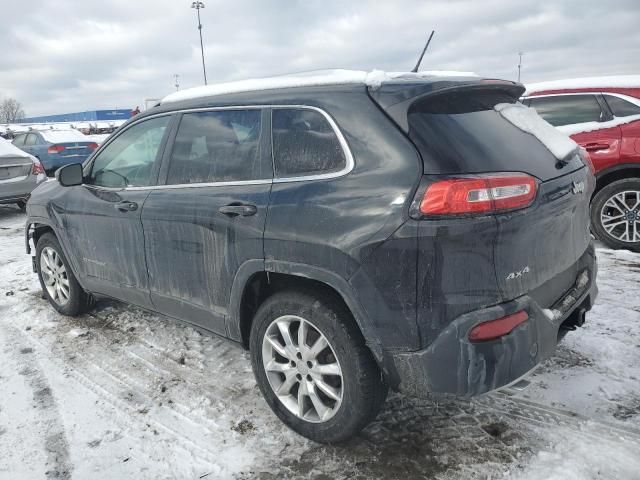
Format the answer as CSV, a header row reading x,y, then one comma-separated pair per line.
x,y
519,274
578,187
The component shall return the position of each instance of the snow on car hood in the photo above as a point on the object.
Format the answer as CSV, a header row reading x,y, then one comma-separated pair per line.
x,y
9,150
373,79
528,120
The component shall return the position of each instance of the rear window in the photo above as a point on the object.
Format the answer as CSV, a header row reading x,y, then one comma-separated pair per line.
x,y
621,107
569,109
304,143
461,133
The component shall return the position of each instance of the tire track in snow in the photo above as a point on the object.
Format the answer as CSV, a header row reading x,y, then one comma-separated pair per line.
x,y
59,466
106,386
545,415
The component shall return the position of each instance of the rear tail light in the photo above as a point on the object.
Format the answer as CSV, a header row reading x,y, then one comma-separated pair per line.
x,y
586,158
55,148
493,329
92,146
479,194
37,168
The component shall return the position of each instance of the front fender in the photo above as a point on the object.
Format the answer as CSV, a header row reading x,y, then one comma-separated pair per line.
x,y
57,229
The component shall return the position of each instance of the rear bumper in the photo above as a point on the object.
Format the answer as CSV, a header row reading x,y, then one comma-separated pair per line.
x,y
14,199
454,365
54,162
17,190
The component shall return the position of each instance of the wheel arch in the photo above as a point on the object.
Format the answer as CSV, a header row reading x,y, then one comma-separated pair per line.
x,y
34,229
38,226
257,280
615,173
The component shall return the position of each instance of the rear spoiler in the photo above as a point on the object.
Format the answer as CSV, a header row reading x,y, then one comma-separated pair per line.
x,y
395,98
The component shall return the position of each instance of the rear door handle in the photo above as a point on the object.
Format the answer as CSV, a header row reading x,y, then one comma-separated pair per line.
x,y
592,147
233,210
126,206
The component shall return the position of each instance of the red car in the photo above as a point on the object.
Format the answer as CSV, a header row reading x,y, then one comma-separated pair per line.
x,y
602,114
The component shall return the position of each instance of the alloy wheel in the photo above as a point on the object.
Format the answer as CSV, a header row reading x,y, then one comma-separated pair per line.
x,y
620,216
302,368
54,275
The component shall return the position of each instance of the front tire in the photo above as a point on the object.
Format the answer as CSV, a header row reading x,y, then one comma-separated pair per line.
x,y
615,214
312,366
58,282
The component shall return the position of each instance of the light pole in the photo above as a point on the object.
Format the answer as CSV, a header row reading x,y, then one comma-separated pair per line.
x,y
177,83
198,5
519,64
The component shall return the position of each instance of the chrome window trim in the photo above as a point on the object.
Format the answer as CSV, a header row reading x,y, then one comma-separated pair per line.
x,y
349,161
265,181
628,98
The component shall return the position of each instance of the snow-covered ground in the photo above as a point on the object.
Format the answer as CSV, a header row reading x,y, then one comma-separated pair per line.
x,y
123,393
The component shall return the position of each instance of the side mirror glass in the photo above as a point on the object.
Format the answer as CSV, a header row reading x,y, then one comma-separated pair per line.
x,y
70,175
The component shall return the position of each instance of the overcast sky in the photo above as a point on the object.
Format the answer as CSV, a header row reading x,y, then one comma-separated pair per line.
x,y
59,56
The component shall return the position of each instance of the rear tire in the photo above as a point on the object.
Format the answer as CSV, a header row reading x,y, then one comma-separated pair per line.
x,y
354,395
58,282
615,214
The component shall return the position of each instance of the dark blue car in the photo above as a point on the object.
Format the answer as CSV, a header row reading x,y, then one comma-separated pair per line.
x,y
56,148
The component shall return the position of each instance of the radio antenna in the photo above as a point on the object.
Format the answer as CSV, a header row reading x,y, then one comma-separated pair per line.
x,y
415,69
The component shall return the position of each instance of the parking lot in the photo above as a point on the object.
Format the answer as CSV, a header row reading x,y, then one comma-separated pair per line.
x,y
92,391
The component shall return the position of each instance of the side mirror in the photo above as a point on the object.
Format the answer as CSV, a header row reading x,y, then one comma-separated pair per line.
x,y
70,175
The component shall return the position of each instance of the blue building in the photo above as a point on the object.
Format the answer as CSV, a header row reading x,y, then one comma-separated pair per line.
x,y
92,115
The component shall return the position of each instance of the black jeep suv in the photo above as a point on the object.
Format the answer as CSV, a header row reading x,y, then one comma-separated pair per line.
x,y
422,233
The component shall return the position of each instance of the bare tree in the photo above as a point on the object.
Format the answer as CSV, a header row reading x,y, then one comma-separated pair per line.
x,y
10,111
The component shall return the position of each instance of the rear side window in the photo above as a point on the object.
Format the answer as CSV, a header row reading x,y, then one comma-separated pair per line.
x,y
568,109
32,139
621,107
218,146
304,143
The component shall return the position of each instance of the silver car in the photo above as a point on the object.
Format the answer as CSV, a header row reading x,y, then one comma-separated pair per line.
x,y
20,173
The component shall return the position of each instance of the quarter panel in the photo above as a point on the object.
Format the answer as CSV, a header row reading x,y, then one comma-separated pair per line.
x,y
336,224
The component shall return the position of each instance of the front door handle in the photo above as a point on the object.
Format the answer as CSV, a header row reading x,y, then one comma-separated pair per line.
x,y
126,206
233,210
594,147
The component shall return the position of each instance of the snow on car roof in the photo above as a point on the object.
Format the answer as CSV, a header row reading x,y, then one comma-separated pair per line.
x,y
613,81
306,79
9,150
63,136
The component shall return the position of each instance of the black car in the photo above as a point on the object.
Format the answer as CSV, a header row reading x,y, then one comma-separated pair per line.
x,y
354,235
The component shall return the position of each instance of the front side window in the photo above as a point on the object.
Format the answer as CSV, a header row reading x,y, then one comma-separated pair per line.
x,y
128,160
568,109
304,143
218,146
621,107
19,140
